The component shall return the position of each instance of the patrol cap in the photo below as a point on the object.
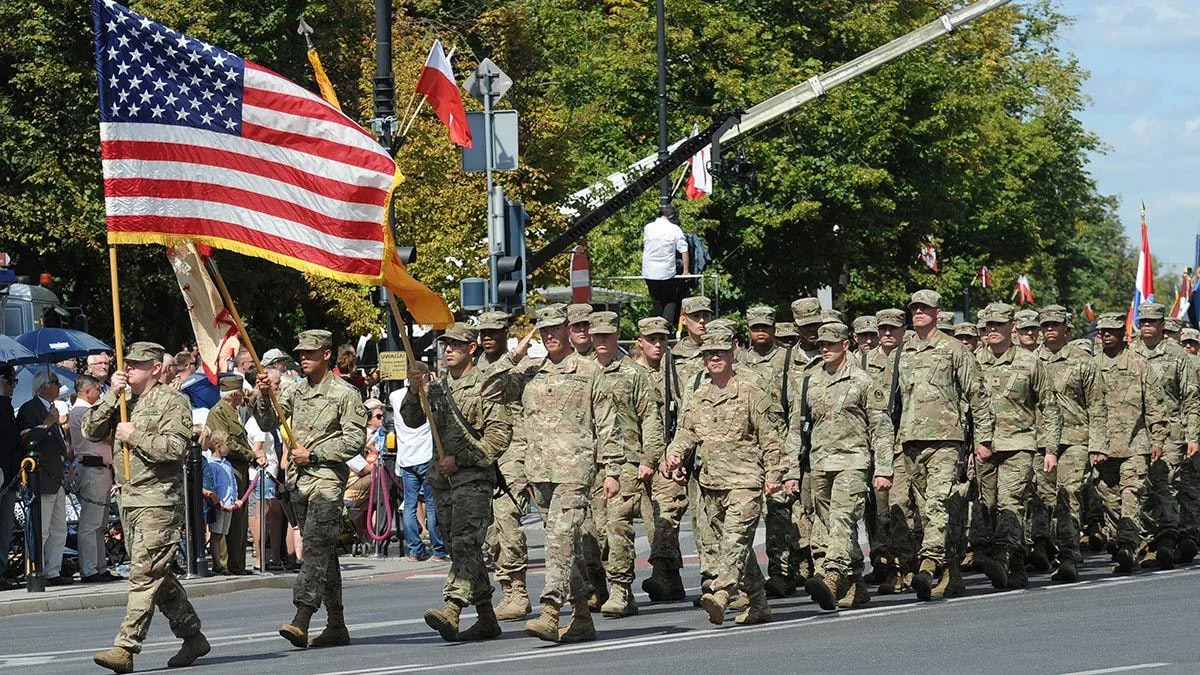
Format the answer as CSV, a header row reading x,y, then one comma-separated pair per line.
x,y
579,313
832,316
965,328
760,315
927,297
865,324
834,331
140,352
945,321
696,303
1189,335
1054,314
654,325
806,311
459,332
717,338
890,317
603,323
1172,325
314,339
996,312
1027,318
1151,311
273,355
231,383
1111,321
492,321
550,316
1084,344
722,324
785,329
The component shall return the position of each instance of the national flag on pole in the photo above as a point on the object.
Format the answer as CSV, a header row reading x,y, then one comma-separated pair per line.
x,y
216,331
1143,284
1183,296
1089,313
1022,291
1193,312
440,88
699,183
984,276
199,144
929,256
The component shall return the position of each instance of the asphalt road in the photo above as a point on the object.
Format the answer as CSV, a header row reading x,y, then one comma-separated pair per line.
x,y
1102,624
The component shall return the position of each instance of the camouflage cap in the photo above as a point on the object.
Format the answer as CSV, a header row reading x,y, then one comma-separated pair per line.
x,y
996,312
1027,318
1054,314
890,317
945,320
231,382
927,297
832,316
965,328
314,339
1111,321
865,324
696,303
603,323
785,329
1172,325
806,311
834,331
722,324
760,315
459,332
493,321
550,316
1152,311
1085,344
140,352
579,313
1189,335
718,337
654,325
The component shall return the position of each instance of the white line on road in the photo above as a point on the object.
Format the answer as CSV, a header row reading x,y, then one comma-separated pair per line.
x,y
1120,669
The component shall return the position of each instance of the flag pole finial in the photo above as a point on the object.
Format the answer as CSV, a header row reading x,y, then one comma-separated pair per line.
x,y
305,30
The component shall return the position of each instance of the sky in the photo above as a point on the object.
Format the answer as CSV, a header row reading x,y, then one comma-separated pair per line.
x,y
1144,60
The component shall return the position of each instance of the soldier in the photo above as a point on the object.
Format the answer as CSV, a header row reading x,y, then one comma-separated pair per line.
x,y
505,537
1018,387
1028,329
473,428
968,334
736,431
328,427
578,316
155,442
866,334
665,499
1172,328
765,358
640,435
1080,393
566,430
697,313
224,416
939,385
880,365
785,333
1137,430
849,433
945,322
1174,480
1189,338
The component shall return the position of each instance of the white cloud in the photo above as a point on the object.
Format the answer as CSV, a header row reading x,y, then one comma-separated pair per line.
x,y
1145,24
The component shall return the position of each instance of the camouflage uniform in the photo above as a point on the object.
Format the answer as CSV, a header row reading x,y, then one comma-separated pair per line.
x,y
327,418
879,365
151,500
225,417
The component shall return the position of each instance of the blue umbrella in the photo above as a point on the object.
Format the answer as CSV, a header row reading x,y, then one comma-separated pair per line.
x,y
51,345
12,353
201,392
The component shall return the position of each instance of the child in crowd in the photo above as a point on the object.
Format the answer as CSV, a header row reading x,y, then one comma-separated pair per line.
x,y
223,496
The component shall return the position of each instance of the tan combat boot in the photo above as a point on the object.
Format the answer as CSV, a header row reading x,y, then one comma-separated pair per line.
x,y
117,659
599,594
951,584
923,581
194,646
545,626
486,626
296,632
739,603
515,603
856,596
580,628
1124,560
335,633
995,568
758,611
620,603
714,604
445,620
826,588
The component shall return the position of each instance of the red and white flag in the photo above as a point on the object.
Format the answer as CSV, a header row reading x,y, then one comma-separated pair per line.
x,y
216,331
1089,312
1022,292
699,183
985,277
440,88
929,256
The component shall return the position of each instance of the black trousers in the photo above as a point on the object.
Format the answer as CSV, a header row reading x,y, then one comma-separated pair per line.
x,y
665,294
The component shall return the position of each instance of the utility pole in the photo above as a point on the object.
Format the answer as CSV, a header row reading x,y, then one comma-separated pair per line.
x,y
384,124
661,12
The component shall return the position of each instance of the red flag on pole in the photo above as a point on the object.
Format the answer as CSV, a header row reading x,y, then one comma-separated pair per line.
x,y
929,256
699,183
440,88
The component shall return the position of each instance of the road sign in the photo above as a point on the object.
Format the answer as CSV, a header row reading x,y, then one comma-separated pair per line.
x,y
499,81
581,276
505,147
393,365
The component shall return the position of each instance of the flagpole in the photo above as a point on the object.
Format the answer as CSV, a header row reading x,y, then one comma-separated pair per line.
x,y
119,346
421,393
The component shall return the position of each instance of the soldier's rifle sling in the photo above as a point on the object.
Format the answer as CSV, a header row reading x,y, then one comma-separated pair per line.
x,y
501,481
783,391
894,401
805,426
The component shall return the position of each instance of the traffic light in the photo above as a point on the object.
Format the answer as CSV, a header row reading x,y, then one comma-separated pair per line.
x,y
510,262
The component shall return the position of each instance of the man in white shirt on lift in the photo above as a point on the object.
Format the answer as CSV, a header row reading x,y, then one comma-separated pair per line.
x,y
662,239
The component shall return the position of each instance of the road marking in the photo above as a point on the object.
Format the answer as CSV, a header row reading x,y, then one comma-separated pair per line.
x,y
1120,669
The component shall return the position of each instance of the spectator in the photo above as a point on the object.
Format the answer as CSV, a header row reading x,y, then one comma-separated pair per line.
x,y
169,370
358,485
347,370
225,416
275,359
94,481
98,367
185,366
242,363
39,424
269,513
662,239
224,496
414,449
10,460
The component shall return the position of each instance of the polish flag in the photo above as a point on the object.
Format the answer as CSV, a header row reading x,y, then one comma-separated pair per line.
x,y
1022,291
985,277
440,88
699,184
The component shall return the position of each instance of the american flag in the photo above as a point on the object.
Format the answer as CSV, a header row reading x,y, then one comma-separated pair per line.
x,y
200,144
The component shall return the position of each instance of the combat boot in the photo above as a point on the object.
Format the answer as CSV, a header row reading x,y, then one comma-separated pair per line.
x,y
757,611
581,628
1017,577
117,659
995,568
856,596
1039,557
895,581
970,561
879,568
778,587
739,603
1124,561
825,589
1096,541
194,646
515,603
714,604
1186,552
486,626
953,584
923,581
445,620
296,632
664,585
620,602
1166,556
1067,572
545,626
599,594
335,633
